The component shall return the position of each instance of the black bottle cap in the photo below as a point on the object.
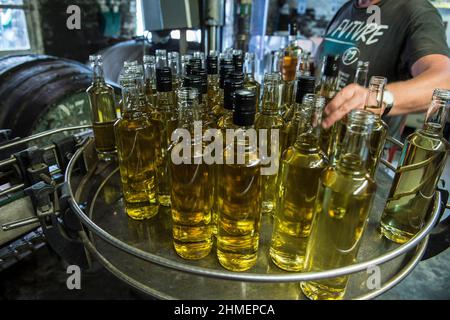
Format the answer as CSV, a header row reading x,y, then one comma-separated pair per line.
x,y
244,108
331,66
292,28
163,79
204,77
225,71
305,85
193,64
212,64
237,75
230,86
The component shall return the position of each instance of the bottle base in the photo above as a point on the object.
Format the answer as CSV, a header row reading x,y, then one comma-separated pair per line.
x,y
164,200
140,211
394,234
236,262
287,262
193,251
316,291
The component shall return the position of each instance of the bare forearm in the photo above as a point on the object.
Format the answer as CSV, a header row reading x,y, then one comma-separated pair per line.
x,y
414,96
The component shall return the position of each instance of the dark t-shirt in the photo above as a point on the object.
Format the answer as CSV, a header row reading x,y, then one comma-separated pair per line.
x,y
407,31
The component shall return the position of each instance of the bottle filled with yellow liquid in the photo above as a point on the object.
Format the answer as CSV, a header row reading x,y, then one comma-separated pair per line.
x,y
135,138
226,69
164,118
103,110
192,182
305,88
212,68
230,86
301,168
328,88
421,164
343,204
240,191
270,125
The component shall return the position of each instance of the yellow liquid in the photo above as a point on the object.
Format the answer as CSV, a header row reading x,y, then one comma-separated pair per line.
x,y
239,214
192,202
103,114
344,201
135,138
377,141
302,166
164,121
269,191
412,192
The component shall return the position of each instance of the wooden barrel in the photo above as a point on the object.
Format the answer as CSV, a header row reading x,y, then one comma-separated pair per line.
x,y
39,92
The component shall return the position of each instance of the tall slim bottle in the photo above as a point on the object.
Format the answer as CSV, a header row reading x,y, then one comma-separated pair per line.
x,y
212,68
421,164
271,121
240,191
250,82
302,166
192,183
226,70
165,119
150,79
135,138
344,201
103,110
328,88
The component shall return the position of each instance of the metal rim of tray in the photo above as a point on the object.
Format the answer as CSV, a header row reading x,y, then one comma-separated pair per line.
x,y
419,239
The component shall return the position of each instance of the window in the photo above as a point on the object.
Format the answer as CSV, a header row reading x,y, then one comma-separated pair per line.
x,y
13,26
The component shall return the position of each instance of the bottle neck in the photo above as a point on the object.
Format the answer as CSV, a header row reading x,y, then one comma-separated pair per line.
x,y
165,100
271,96
437,113
355,146
328,86
98,76
361,77
130,97
374,100
309,127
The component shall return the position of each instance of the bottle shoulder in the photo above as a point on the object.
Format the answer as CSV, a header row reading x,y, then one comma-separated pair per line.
x,y
265,120
421,139
351,184
295,157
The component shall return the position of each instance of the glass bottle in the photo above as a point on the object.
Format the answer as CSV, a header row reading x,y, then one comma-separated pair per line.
x,y
135,136
343,203
212,68
238,60
328,88
292,127
225,70
304,85
362,72
240,191
173,59
150,78
103,110
421,164
161,58
302,165
165,120
250,82
270,120
192,181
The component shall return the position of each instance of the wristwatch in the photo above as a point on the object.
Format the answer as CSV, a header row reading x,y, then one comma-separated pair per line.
x,y
388,101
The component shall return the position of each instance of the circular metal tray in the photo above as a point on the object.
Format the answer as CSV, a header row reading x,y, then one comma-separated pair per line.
x,y
141,253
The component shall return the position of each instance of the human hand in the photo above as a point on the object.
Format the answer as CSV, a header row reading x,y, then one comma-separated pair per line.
x,y
351,97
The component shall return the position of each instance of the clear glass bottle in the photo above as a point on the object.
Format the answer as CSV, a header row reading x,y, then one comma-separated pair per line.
x,y
344,201
103,111
250,82
302,166
165,120
240,191
270,120
421,164
161,58
212,68
374,104
150,79
293,126
225,70
192,181
362,73
135,136
328,88
173,60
